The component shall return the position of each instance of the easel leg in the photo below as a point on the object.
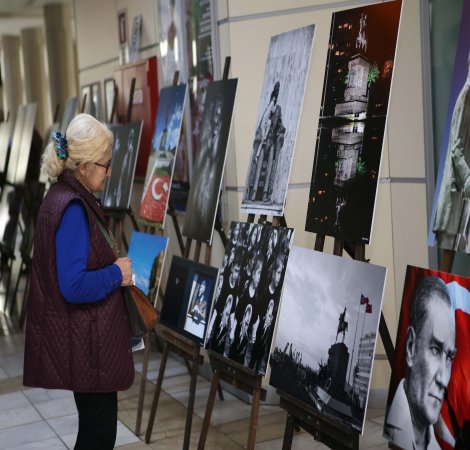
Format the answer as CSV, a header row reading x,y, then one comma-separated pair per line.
x,y
143,381
221,392
288,433
189,413
156,395
209,408
254,420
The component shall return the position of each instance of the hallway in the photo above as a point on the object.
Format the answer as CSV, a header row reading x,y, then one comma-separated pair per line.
x,y
46,419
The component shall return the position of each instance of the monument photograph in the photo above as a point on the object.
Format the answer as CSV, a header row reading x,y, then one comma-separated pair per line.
x,y
450,220
209,162
161,162
277,121
118,187
353,115
327,333
147,253
248,292
428,402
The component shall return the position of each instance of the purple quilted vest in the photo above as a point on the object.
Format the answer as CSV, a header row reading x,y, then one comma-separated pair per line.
x,y
84,347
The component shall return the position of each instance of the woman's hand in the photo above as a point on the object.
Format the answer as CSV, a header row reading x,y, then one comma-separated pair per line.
x,y
126,270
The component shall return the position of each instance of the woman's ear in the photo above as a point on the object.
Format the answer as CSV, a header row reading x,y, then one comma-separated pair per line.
x,y
82,167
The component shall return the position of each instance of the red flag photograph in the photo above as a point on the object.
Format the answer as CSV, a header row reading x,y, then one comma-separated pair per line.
x,y
432,355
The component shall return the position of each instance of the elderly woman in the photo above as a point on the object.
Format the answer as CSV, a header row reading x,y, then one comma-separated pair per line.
x,y
77,334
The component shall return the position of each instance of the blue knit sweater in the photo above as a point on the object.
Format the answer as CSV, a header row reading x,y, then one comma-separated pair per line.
x,y
76,283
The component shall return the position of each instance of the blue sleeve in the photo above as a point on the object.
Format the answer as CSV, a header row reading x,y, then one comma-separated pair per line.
x,y
76,283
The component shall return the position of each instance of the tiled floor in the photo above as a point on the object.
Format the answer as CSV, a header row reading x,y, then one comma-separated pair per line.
x,y
46,419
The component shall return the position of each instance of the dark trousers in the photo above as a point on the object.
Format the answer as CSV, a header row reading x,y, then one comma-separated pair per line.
x,y
97,420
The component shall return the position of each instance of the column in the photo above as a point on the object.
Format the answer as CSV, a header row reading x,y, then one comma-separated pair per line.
x,y
61,54
35,83
11,72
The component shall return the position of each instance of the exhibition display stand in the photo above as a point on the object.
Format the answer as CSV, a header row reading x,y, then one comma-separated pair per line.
x,y
323,429
175,342
190,351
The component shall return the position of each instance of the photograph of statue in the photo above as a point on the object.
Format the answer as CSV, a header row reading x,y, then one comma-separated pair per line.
x,y
450,219
188,298
351,126
118,188
428,404
209,162
248,292
162,156
327,333
147,253
279,109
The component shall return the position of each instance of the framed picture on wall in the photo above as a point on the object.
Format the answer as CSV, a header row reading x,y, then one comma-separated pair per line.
x,y
95,100
91,104
85,94
108,98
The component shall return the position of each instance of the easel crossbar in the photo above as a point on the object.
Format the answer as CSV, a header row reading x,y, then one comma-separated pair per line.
x,y
323,430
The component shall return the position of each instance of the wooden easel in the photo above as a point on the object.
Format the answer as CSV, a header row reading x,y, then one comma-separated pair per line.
x,y
323,429
152,230
237,375
241,378
189,350
178,342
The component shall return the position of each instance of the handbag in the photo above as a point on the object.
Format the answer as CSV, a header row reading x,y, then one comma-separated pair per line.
x,y
141,314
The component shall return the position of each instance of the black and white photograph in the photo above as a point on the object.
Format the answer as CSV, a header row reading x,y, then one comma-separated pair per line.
x,y
351,126
277,121
188,297
69,113
6,130
327,332
117,190
248,291
210,159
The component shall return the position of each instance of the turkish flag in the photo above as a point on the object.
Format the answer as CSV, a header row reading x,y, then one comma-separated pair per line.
x,y
364,300
369,309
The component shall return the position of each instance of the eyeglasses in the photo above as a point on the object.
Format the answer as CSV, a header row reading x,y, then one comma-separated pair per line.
x,y
106,166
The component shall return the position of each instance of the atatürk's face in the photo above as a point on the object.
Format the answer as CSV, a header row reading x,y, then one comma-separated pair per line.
x,y
429,359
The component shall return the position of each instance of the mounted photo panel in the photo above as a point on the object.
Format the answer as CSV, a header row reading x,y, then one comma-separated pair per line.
x,y
353,115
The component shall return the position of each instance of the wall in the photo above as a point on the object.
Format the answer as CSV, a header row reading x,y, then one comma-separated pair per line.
x,y
244,28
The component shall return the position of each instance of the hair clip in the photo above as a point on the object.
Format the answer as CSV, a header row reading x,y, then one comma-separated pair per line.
x,y
60,143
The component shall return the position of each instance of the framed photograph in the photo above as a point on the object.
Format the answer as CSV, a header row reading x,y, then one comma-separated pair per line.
x,y
281,101
95,100
158,180
108,98
85,99
327,333
122,26
249,289
429,394
118,188
69,113
188,298
210,159
147,252
353,115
